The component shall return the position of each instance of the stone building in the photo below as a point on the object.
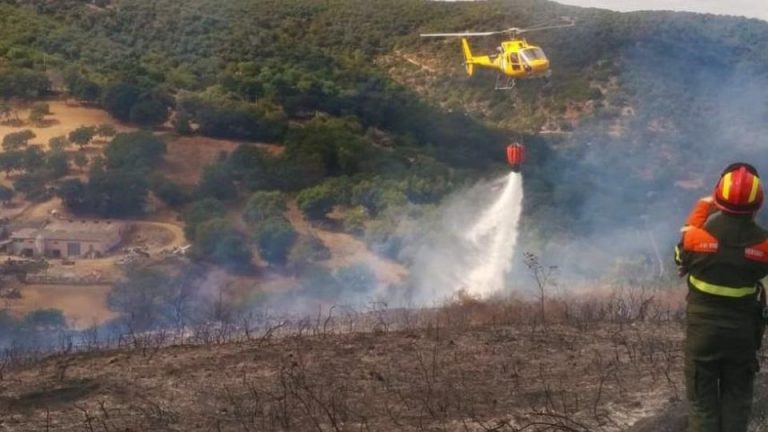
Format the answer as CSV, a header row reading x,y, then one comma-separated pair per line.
x,y
68,239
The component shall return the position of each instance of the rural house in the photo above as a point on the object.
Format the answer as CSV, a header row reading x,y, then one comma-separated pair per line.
x,y
68,239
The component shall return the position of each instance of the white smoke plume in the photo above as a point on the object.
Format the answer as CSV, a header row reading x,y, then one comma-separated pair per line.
x,y
472,246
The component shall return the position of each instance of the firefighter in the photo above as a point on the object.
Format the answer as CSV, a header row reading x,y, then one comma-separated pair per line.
x,y
724,254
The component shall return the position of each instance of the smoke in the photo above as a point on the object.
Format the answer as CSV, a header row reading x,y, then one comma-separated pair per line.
x,y
604,203
618,188
467,246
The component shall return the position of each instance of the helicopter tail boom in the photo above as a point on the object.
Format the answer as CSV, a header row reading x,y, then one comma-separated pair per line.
x,y
470,60
467,57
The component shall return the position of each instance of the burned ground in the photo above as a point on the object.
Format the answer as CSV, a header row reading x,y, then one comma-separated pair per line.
x,y
441,374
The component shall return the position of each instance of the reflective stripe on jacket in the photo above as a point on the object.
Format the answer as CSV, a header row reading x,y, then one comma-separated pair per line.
x,y
724,256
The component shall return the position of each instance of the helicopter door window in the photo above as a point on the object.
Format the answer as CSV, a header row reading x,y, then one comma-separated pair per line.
x,y
532,54
514,61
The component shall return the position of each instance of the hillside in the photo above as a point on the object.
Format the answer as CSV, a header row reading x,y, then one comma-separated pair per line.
x,y
299,176
312,151
616,136
466,367
343,111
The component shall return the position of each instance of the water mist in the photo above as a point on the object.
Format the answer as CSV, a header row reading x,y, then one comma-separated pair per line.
x,y
473,243
491,241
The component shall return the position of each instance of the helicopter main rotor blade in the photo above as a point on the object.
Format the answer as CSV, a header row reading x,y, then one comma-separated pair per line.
x,y
464,34
533,29
511,30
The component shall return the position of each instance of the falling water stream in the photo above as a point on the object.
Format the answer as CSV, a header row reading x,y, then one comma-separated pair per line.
x,y
492,241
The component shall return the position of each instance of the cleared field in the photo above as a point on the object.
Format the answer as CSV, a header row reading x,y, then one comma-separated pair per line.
x,y
346,249
187,156
82,305
64,118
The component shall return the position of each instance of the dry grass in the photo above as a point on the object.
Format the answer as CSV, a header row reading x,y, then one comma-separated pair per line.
x,y
64,118
83,305
347,250
187,156
472,366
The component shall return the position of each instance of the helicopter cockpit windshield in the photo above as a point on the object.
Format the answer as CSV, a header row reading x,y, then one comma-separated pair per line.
x,y
531,55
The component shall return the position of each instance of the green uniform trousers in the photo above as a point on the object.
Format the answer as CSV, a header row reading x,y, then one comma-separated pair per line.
x,y
720,366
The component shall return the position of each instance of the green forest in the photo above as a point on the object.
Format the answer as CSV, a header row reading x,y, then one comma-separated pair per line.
x,y
363,131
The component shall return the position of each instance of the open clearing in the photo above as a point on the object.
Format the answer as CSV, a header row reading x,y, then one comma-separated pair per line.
x,y
65,117
188,156
83,305
347,250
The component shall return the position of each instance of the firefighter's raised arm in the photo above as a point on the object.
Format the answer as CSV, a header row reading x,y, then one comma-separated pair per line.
x,y
698,216
700,212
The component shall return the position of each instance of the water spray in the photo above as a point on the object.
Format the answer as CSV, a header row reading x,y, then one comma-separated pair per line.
x,y
492,239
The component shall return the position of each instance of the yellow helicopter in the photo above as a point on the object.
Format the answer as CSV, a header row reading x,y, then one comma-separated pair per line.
x,y
515,58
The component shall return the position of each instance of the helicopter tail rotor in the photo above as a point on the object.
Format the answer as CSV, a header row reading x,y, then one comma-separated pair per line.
x,y
467,57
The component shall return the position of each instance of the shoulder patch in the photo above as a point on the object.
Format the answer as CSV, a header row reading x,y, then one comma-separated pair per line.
x,y
758,252
699,240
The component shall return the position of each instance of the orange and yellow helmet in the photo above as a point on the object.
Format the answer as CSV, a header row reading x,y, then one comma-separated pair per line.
x,y
739,190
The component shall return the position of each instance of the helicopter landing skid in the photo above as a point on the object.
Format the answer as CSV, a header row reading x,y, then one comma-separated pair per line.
x,y
504,83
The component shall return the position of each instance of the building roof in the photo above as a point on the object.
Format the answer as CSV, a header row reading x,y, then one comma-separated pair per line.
x,y
72,230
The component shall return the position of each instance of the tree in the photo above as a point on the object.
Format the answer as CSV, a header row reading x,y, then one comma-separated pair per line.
x,y
82,136
5,110
58,143
10,161
138,151
32,158
232,252
6,194
81,160
357,278
200,211
217,182
218,240
543,276
38,112
45,319
142,297
354,220
118,100
274,237
80,87
307,251
264,205
238,121
23,83
182,123
17,140
337,142
56,164
72,193
167,191
149,112
316,202
318,282
116,192
106,130
33,186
